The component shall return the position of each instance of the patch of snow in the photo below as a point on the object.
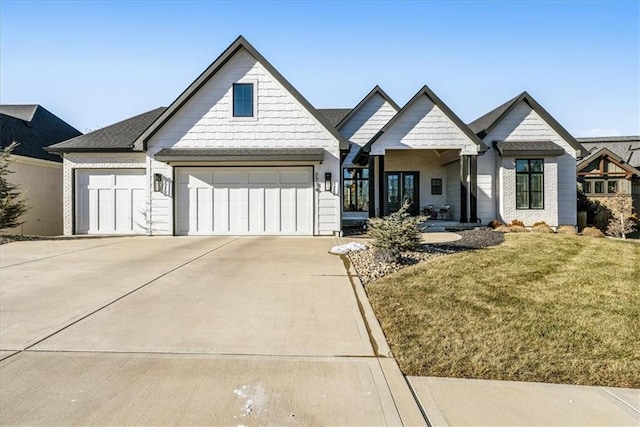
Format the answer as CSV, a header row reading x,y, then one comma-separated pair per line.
x,y
347,247
254,398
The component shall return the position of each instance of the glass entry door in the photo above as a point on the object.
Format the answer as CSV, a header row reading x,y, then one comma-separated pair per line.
x,y
401,187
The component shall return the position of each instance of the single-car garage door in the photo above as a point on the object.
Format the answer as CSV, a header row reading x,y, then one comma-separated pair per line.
x,y
110,201
252,201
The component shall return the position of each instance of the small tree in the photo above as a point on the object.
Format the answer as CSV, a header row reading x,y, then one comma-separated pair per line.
x,y
12,206
395,233
620,224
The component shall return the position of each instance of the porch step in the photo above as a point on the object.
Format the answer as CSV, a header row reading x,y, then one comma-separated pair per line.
x,y
435,228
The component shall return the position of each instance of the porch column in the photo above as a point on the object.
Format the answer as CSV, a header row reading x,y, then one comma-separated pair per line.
x,y
464,171
372,186
473,202
381,186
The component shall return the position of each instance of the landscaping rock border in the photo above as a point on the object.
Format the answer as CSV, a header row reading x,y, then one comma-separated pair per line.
x,y
369,269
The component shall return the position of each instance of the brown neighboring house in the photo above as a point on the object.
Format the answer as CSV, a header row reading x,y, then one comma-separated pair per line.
x,y
37,172
612,164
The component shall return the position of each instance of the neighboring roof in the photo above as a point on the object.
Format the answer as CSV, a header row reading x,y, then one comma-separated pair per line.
x,y
376,90
625,147
605,152
23,111
361,155
334,115
529,148
33,127
116,137
239,43
484,124
240,154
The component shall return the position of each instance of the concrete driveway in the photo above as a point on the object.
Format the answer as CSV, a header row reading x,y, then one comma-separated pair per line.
x,y
172,330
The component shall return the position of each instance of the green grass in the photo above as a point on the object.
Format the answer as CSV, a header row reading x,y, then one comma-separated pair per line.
x,y
545,308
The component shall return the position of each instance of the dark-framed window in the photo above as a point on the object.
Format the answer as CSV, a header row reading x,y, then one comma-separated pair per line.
x,y
436,186
529,184
355,195
598,187
243,100
586,187
612,186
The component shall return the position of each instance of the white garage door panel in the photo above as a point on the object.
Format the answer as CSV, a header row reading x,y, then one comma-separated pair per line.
x,y
110,201
244,201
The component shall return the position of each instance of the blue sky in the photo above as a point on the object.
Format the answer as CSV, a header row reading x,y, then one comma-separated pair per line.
x,y
95,63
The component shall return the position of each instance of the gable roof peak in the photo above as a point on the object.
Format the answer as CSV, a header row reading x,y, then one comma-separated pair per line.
x,y
376,90
485,124
211,70
363,152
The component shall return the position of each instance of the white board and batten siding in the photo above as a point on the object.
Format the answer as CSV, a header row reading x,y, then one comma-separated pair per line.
x,y
524,124
205,121
110,201
240,201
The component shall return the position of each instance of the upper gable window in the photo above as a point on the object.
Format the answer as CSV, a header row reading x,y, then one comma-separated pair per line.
x,y
243,100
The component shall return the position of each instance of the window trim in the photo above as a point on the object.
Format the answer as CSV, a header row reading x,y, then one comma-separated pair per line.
x,y
529,175
355,180
254,115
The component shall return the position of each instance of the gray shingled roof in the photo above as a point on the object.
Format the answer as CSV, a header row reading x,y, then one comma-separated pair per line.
x,y
334,115
480,125
116,137
34,128
240,154
533,148
625,147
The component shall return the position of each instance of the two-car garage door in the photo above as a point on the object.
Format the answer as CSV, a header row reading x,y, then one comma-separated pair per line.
x,y
244,201
208,201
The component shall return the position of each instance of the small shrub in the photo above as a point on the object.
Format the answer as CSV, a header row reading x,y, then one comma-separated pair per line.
x,y
516,222
541,228
535,224
517,229
396,233
566,229
495,224
592,232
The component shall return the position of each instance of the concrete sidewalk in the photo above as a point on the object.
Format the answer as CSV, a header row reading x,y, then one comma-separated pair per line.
x,y
464,402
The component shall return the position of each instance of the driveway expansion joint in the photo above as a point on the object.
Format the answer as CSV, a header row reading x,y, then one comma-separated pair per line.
x,y
121,297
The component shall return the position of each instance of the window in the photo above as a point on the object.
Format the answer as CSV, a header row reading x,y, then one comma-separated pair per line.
x,y
612,186
586,187
355,182
436,186
530,184
599,187
243,100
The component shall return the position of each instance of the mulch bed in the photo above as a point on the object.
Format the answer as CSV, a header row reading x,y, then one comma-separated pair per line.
x,y
370,269
8,238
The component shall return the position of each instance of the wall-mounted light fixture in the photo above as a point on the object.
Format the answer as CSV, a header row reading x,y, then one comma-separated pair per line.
x,y
327,181
157,182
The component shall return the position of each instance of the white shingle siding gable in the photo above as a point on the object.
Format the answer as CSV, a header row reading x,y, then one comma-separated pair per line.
x,y
425,126
206,121
73,161
366,123
524,124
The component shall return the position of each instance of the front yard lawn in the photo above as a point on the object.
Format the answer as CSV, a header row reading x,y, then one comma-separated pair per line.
x,y
539,307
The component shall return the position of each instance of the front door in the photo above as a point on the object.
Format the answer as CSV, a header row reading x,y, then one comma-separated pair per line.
x,y
401,187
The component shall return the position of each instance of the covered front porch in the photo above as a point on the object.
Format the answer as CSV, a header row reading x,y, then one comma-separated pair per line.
x,y
440,183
